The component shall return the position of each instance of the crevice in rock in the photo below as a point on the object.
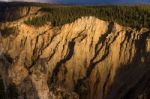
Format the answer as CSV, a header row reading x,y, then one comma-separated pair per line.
x,y
127,37
105,86
92,64
59,64
96,85
125,85
102,40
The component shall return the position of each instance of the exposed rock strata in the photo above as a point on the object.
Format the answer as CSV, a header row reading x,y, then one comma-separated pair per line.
x,y
87,59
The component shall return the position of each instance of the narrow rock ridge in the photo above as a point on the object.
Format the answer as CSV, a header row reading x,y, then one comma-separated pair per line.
x,y
87,59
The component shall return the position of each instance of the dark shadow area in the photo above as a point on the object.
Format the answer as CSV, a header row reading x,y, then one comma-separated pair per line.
x,y
8,58
2,91
132,81
27,89
9,93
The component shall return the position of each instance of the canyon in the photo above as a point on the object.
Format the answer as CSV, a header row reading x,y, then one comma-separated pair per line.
x,y
87,59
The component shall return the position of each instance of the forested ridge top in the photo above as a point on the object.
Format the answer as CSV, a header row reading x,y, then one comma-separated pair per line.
x,y
132,15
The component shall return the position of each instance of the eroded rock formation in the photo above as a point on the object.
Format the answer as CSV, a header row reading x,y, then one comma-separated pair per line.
x,y
86,59
10,13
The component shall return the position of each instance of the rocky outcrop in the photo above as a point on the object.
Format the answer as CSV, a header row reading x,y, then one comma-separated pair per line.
x,y
86,59
11,13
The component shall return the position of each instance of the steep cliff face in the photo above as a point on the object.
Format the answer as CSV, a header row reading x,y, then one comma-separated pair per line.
x,y
86,59
11,13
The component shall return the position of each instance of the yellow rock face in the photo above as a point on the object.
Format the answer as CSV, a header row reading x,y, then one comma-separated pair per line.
x,y
86,59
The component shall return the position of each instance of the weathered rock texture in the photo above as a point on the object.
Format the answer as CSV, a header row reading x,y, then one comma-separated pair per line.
x,y
8,13
87,59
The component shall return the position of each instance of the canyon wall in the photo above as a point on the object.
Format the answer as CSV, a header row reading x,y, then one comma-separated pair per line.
x,y
86,59
10,13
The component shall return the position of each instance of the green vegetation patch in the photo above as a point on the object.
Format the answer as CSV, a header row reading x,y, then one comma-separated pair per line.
x,y
7,31
36,21
133,16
